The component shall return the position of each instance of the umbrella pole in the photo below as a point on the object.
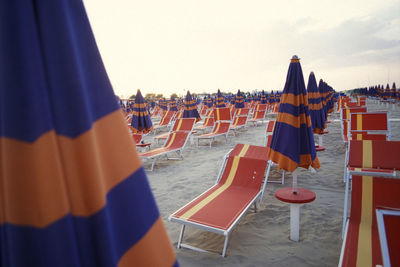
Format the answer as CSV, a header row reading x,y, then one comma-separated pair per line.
x,y
294,174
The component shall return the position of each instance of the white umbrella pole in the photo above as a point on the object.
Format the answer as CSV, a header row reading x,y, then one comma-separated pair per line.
x,y
294,174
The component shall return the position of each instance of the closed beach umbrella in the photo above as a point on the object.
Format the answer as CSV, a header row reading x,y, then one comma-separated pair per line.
x,y
172,104
239,102
163,104
220,103
73,190
315,106
190,108
233,99
292,143
263,98
141,122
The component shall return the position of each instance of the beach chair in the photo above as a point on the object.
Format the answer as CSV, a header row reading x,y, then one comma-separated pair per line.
x,y
181,124
165,121
269,131
240,120
175,143
371,158
238,186
208,123
259,114
369,126
372,197
267,143
345,118
222,117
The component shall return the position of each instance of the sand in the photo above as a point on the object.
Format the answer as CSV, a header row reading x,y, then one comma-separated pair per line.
x,y
262,238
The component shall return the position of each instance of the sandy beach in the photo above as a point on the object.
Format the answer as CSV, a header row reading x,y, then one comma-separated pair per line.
x,y
262,238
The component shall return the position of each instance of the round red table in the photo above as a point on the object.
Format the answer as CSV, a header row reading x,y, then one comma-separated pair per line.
x,y
303,196
319,148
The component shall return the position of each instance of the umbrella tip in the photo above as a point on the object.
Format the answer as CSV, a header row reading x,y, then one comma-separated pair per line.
x,y
295,58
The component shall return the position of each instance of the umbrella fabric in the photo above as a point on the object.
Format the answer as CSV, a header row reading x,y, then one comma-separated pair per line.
x,y
73,190
172,104
292,143
208,101
233,99
220,103
239,102
315,106
190,108
263,98
321,88
141,122
163,104
272,97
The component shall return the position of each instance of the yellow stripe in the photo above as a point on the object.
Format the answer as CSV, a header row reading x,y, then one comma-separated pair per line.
x,y
217,129
171,140
367,154
218,116
359,136
359,122
347,114
179,124
364,252
217,192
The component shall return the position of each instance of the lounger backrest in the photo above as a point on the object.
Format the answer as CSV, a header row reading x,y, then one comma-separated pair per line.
x,y
239,120
184,124
176,139
369,121
368,193
259,114
222,114
345,115
221,127
242,112
210,113
261,107
166,118
270,127
375,154
137,138
208,122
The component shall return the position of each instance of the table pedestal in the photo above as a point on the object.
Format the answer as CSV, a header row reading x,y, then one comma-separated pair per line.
x,y
296,200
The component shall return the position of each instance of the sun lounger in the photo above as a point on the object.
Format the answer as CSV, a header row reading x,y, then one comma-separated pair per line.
x,y
239,122
259,114
221,128
165,121
181,124
238,186
361,243
175,143
207,124
369,125
345,119
371,158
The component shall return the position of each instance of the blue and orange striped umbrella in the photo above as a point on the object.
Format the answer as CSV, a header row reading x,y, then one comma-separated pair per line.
x,y
141,122
233,99
73,189
263,98
239,101
190,108
315,105
172,104
292,143
163,104
220,103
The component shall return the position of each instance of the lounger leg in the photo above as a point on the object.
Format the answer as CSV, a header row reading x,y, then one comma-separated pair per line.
x,y
181,236
265,180
346,198
283,176
255,206
152,165
225,245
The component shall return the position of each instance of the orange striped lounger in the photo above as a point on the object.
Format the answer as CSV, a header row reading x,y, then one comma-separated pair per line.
x,y
175,143
239,185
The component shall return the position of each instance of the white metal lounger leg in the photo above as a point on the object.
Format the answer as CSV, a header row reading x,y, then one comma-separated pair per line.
x,y
225,245
181,236
152,164
346,199
265,180
283,176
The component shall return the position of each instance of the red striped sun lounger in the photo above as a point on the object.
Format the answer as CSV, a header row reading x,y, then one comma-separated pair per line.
x,y
362,240
175,144
237,188
239,122
371,158
165,121
259,114
181,124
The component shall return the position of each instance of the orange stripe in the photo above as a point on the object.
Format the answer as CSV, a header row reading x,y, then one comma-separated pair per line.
x,y
294,100
62,175
292,120
153,249
359,122
315,106
288,164
313,95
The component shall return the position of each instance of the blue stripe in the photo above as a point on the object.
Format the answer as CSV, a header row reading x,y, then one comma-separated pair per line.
x,y
51,74
99,240
297,141
291,109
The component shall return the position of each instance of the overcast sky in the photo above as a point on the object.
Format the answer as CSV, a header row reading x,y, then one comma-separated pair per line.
x,y
167,46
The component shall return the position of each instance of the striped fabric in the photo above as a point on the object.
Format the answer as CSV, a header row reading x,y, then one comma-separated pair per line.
x,y
315,105
220,102
163,104
73,190
263,98
141,122
190,108
239,100
293,143
172,104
